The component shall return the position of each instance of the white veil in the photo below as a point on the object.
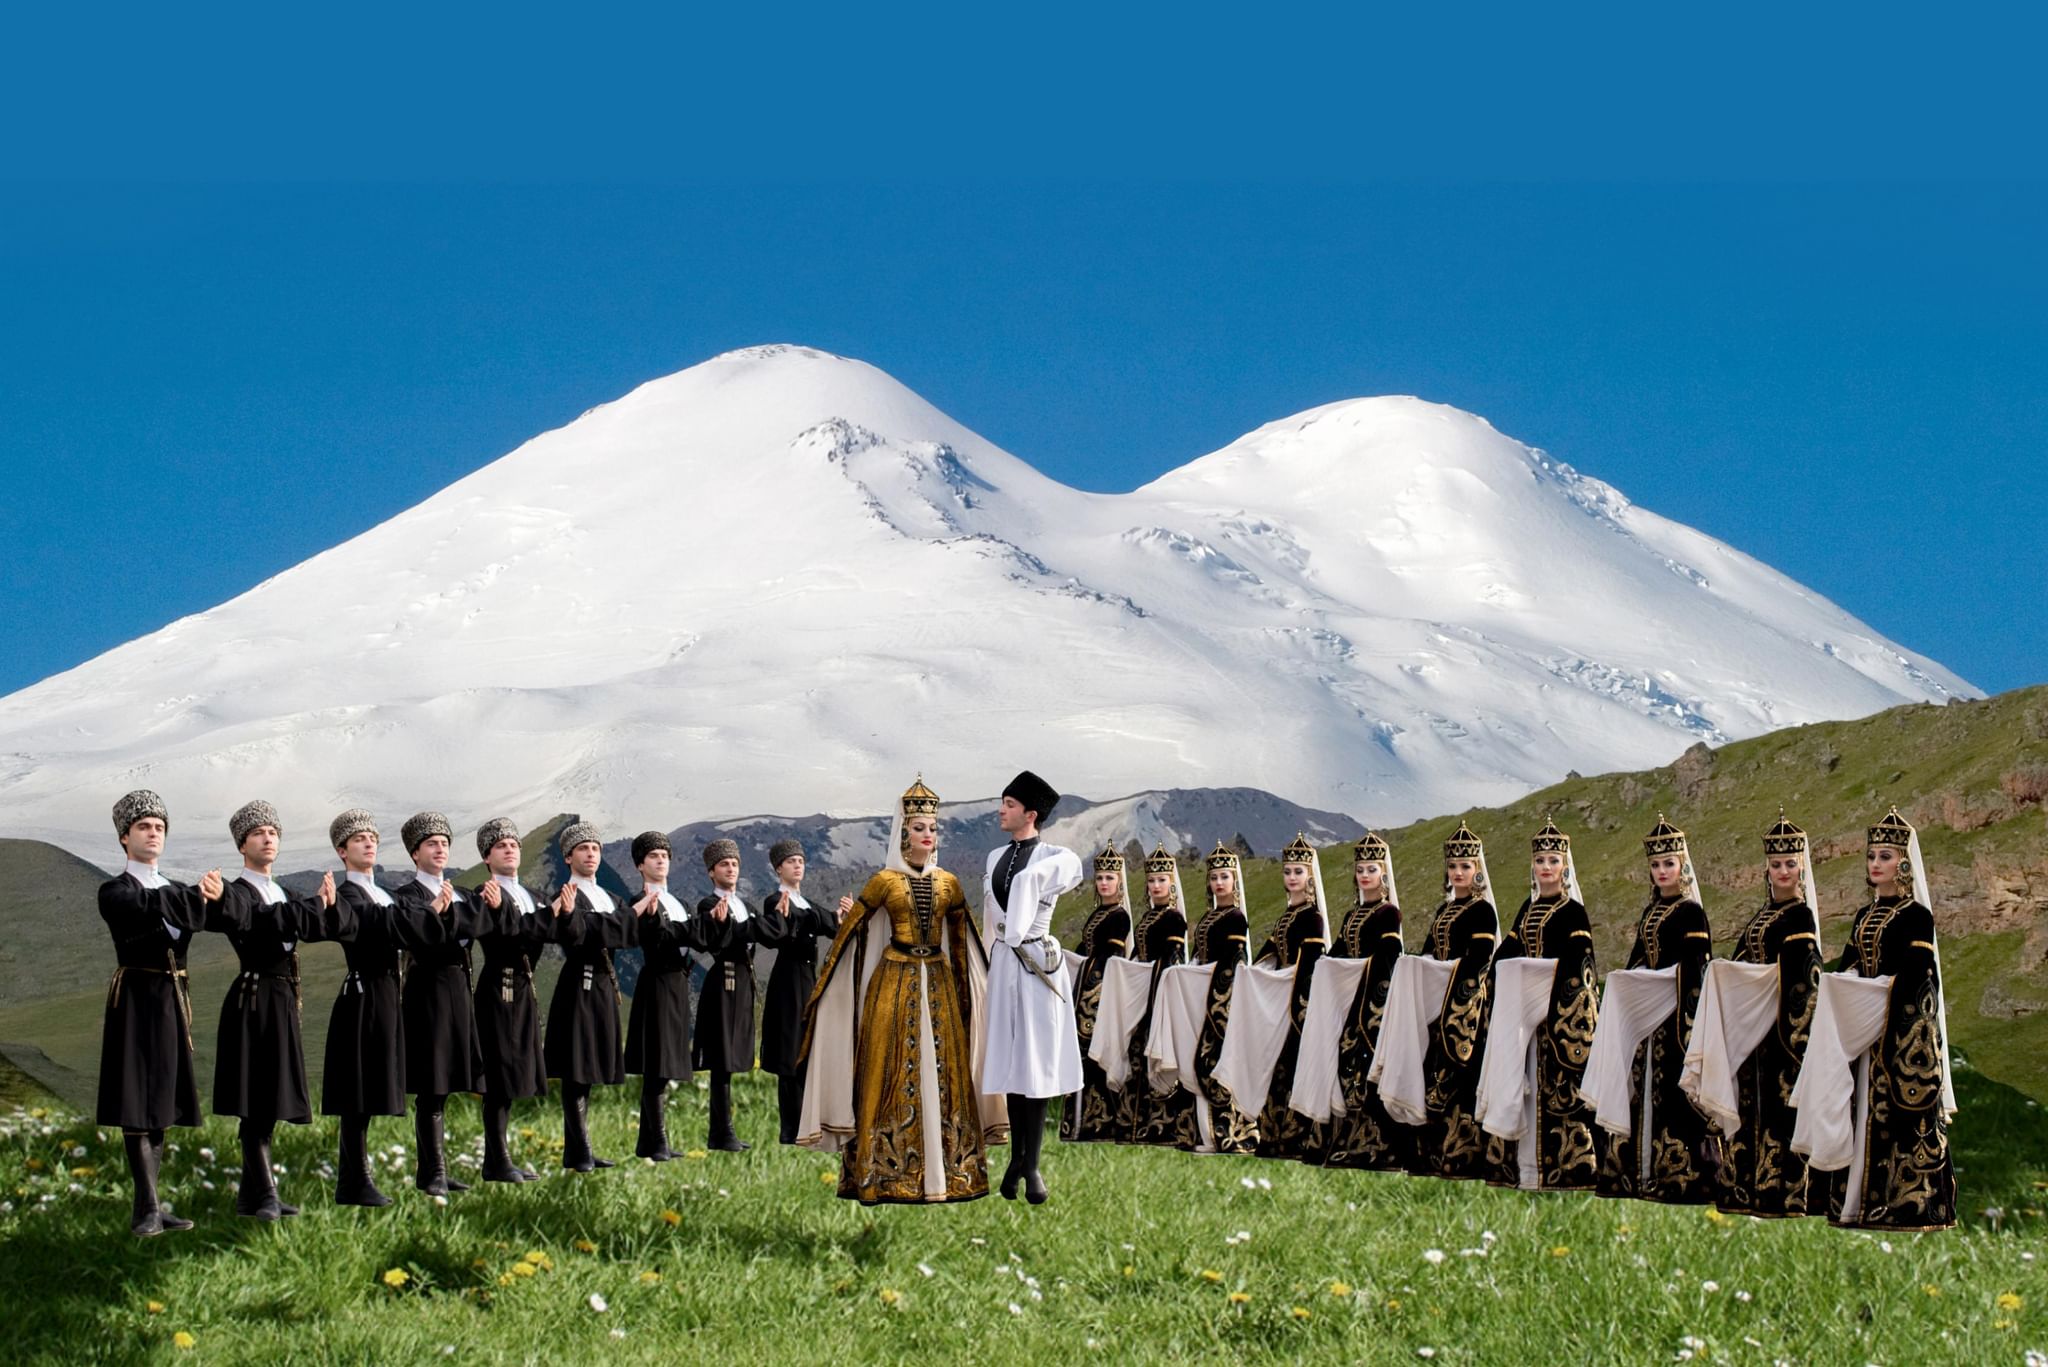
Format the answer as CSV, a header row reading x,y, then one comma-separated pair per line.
x,y
894,859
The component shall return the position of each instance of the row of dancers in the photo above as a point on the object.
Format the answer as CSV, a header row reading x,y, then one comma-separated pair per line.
x,y
1760,1083
439,997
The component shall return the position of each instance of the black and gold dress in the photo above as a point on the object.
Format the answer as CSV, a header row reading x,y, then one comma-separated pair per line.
x,y
1220,938
1760,1174
1145,1116
895,1005
1365,1136
1558,928
1450,1143
1091,1113
1299,937
1908,1179
1683,1152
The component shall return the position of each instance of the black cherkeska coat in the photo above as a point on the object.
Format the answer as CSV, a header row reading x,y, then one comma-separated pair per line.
x,y
507,1015
364,1070
794,938
658,1032
442,1055
146,1076
725,1008
583,1015
259,1071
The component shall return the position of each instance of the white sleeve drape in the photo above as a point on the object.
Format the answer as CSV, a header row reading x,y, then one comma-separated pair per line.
x,y
1318,1087
1415,998
1256,1033
1635,1002
1738,1006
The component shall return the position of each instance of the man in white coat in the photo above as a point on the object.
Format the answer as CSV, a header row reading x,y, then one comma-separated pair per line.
x,y
1033,1050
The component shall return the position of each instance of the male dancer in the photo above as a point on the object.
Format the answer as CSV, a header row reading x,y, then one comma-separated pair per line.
x,y
441,1053
582,1046
146,1077
259,1072
790,926
658,1031
724,1042
1034,1048
507,1019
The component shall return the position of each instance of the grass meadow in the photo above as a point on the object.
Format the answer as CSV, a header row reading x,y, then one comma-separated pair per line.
x,y
1140,1256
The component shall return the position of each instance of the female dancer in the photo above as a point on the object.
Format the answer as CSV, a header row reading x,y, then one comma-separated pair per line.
x,y
1090,1114
892,1038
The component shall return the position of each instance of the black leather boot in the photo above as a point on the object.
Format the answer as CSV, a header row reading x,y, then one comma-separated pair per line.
x,y
258,1197
430,1158
497,1113
353,1185
1034,1148
576,1154
1013,1171
150,1216
789,1105
722,1137
653,1143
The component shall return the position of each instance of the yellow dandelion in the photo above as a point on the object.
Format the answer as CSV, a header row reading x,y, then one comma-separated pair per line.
x,y
2008,1300
504,1279
890,1295
525,1133
184,1340
84,1171
479,1262
1299,1312
1340,1289
1240,1297
1210,1274
397,1277
697,1153
1931,1289
154,1307
828,1178
2004,1324
1716,1217
524,1269
585,1246
535,1256
1130,1271
649,1278
1393,1302
1561,1251
671,1218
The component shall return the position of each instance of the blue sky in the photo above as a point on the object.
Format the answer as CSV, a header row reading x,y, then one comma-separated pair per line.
x,y
1843,380
265,282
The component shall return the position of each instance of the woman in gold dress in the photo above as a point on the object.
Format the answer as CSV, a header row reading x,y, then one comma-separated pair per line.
x,y
892,1037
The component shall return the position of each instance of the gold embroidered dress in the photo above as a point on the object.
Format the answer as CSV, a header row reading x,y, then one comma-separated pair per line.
x,y
893,1043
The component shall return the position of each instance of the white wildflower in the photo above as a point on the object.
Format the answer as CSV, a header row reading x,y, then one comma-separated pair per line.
x,y
1710,1287
925,1268
1432,1256
598,1303
1016,1309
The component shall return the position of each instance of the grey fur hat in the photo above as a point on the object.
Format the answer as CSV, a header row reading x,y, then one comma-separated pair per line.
x,y
783,849
492,831
352,822
252,815
577,833
647,842
136,805
720,849
421,825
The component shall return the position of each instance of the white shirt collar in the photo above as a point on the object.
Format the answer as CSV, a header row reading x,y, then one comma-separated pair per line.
x,y
263,883
735,905
599,898
432,883
520,896
368,883
796,897
144,874
671,909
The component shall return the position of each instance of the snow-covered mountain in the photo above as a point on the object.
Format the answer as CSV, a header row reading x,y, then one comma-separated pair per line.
x,y
780,581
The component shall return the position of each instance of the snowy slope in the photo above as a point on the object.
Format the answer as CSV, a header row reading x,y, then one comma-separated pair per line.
x,y
1383,607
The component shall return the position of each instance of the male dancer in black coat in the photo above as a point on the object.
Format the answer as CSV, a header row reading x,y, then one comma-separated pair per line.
x,y
441,1052
725,1010
582,1048
791,926
146,1076
259,1071
658,1035
507,1017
